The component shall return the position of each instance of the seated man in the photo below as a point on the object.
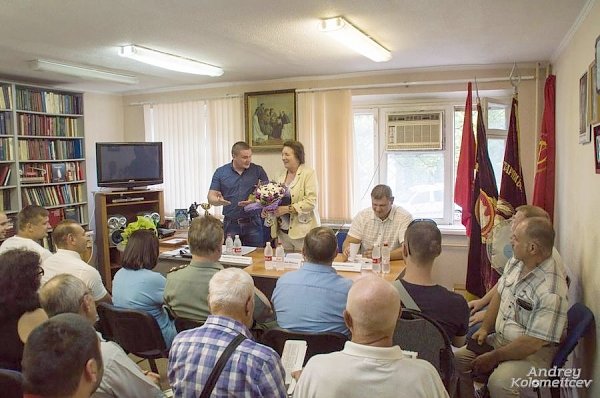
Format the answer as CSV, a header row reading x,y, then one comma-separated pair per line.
x,y
32,226
422,244
186,289
5,225
370,365
71,242
382,223
62,359
313,298
529,310
253,370
66,294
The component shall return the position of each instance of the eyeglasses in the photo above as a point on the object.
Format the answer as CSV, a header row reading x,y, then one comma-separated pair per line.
x,y
416,221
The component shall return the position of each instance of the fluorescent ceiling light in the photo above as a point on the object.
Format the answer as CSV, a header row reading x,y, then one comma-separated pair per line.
x,y
169,61
81,71
347,34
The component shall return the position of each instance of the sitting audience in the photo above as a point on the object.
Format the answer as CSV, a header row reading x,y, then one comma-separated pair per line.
x,y
313,298
422,245
32,227
20,310
5,225
382,223
71,242
370,365
62,359
186,289
253,370
137,287
528,311
122,377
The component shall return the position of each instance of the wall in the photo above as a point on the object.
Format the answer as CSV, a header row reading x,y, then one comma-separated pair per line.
x,y
578,187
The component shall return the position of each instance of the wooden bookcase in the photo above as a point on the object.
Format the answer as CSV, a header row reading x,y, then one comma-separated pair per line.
x,y
128,204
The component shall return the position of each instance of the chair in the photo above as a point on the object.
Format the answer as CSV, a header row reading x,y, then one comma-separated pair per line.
x,y
11,383
135,331
317,343
418,332
182,324
341,237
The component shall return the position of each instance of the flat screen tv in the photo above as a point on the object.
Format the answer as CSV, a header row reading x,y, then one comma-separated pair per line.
x,y
129,164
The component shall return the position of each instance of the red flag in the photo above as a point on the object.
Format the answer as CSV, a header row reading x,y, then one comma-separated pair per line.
x,y
463,188
480,275
543,191
512,190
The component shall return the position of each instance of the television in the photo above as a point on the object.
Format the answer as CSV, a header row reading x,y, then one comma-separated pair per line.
x,y
129,164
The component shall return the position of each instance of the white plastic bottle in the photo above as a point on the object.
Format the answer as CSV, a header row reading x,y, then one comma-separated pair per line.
x,y
385,258
268,256
237,246
279,257
228,245
376,258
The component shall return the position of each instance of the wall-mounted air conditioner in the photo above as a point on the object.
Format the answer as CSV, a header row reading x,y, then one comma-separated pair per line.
x,y
415,131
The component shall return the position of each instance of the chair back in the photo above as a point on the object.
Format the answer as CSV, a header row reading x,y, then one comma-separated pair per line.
x,y
418,332
11,383
317,343
579,320
182,324
135,331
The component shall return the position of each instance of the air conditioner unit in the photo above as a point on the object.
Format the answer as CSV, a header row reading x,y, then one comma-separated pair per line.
x,y
415,131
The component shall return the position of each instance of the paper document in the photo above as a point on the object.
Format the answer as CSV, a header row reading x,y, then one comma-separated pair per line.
x,y
292,359
349,267
411,354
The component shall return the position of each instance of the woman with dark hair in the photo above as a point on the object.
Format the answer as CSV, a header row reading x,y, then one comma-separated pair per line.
x,y
297,214
20,309
137,287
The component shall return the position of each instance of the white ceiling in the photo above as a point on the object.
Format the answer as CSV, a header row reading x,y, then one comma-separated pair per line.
x,y
255,40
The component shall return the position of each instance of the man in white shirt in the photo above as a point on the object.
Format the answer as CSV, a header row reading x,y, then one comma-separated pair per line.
x,y
32,226
370,365
71,241
122,377
382,223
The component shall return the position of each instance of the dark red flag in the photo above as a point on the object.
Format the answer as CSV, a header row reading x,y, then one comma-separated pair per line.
x,y
463,188
512,189
480,275
543,191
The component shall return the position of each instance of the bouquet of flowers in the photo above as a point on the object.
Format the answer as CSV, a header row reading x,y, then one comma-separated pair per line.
x,y
141,223
267,197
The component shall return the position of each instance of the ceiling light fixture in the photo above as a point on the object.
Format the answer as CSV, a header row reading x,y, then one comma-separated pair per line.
x,y
81,71
169,61
353,38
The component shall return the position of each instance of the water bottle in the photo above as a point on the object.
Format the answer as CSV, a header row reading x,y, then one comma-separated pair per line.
x,y
268,256
376,257
385,258
279,257
228,245
237,246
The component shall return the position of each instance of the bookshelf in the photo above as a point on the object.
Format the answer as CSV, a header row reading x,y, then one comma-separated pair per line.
x,y
42,151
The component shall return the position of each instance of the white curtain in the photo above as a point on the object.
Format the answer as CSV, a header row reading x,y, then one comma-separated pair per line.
x,y
197,137
325,128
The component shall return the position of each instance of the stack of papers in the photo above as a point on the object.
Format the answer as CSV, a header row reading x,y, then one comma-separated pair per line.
x,y
348,267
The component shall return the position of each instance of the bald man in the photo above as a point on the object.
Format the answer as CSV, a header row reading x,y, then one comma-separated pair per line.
x,y
370,365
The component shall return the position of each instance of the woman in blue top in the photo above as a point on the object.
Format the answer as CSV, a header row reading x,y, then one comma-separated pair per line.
x,y
137,287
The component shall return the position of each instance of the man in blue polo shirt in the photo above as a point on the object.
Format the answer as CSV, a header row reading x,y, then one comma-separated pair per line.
x,y
230,187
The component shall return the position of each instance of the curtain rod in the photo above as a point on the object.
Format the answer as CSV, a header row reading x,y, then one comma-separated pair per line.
x,y
154,102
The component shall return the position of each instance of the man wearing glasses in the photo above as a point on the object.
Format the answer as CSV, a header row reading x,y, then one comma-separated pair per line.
x,y
32,226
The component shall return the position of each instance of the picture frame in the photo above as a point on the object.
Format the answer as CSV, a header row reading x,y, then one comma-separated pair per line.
x,y
594,96
596,134
584,132
270,118
597,59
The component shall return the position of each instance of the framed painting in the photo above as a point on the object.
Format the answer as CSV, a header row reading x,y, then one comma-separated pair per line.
x,y
270,118
597,63
584,132
596,134
593,97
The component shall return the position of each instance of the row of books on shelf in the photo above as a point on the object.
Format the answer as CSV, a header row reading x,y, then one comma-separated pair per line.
x,y
40,125
6,123
36,100
55,195
5,204
57,215
5,97
50,149
44,173
5,171
6,148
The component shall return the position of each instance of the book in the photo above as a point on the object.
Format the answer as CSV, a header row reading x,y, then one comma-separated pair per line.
x,y
72,213
181,219
59,171
55,216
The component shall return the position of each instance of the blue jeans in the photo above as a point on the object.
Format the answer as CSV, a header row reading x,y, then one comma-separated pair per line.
x,y
249,229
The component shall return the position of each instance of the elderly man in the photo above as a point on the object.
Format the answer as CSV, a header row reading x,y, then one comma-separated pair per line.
x,y
422,245
370,365
186,289
230,187
382,223
253,370
529,311
32,226
62,359
313,298
66,294
71,242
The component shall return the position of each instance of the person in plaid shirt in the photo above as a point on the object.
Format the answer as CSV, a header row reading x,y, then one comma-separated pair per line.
x,y
253,370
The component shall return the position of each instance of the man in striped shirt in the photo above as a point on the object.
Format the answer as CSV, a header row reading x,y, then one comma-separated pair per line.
x,y
253,370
